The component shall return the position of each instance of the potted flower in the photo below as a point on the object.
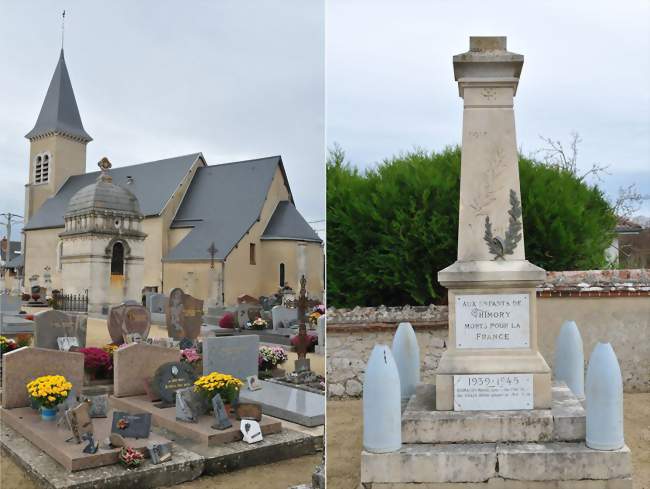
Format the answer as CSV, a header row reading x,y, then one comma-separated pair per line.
x,y
313,341
48,392
227,321
130,457
225,385
258,324
98,364
193,358
269,360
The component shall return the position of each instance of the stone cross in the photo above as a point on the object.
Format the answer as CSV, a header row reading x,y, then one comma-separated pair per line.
x,y
303,338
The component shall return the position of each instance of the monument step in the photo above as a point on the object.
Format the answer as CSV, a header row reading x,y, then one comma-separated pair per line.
x,y
560,464
499,483
421,423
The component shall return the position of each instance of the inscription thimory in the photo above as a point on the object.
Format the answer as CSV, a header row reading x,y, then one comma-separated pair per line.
x,y
493,392
499,247
492,321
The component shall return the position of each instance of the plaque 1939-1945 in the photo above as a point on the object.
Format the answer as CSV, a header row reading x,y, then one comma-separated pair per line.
x,y
492,321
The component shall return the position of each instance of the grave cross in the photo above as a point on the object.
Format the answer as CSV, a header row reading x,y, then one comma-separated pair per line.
x,y
303,339
213,251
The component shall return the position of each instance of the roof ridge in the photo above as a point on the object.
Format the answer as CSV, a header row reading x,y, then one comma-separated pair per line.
x,y
243,161
141,164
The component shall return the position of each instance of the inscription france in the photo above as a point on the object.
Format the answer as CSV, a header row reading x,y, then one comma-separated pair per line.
x,y
493,321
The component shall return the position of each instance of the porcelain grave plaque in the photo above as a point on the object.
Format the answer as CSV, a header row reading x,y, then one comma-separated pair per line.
x,y
493,392
493,321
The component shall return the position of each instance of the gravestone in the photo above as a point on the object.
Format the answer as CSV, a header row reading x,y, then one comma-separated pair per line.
x,y
156,303
128,318
135,362
10,304
26,364
283,317
222,421
51,325
131,425
233,355
171,377
320,330
184,315
247,312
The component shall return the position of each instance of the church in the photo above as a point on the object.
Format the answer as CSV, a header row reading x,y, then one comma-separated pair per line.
x,y
216,231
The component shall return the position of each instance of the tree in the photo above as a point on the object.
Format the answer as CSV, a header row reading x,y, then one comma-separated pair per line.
x,y
391,229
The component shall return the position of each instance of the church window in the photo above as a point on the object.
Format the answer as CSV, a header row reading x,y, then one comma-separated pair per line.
x,y
281,274
117,259
42,169
252,253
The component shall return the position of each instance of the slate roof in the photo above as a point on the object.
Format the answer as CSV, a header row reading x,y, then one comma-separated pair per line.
x,y
221,205
287,223
14,250
153,184
17,261
59,113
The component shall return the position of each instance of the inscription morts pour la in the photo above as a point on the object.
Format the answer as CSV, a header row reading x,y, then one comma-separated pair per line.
x,y
492,321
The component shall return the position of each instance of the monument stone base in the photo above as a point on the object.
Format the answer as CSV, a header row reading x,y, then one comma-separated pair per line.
x,y
538,449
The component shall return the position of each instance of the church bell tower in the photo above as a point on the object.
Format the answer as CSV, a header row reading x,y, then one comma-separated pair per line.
x,y
57,142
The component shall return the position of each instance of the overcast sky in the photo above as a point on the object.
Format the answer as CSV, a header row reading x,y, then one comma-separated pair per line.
x,y
154,79
390,83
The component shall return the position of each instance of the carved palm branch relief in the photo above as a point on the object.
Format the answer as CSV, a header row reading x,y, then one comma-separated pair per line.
x,y
506,245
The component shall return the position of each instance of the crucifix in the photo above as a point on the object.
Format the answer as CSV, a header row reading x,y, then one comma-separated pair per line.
x,y
213,251
303,338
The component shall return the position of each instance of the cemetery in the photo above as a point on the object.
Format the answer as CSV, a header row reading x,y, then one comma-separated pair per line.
x,y
519,380
152,400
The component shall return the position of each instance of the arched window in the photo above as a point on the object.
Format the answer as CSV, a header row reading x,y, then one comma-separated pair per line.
x,y
117,259
281,274
42,169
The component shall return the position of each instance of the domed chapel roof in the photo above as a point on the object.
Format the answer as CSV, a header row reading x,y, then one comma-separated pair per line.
x,y
103,195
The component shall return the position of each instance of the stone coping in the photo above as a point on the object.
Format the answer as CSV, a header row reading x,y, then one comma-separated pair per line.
x,y
190,460
385,327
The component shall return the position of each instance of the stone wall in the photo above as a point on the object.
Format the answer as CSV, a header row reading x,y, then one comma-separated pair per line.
x,y
606,312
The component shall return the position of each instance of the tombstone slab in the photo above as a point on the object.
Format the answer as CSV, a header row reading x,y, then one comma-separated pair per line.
x,y
184,315
128,318
286,402
50,325
132,364
131,425
25,364
283,317
201,432
156,303
233,355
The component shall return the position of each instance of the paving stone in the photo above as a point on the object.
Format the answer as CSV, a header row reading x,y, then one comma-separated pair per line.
x,y
431,463
561,461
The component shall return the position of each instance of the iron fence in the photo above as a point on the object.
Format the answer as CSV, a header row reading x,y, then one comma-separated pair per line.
x,y
70,302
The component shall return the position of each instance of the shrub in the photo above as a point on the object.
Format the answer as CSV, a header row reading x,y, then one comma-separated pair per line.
x,y
392,228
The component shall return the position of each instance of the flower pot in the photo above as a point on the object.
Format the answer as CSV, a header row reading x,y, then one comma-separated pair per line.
x,y
48,414
278,372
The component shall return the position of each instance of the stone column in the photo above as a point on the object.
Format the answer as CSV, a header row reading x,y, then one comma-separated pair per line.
x,y
492,299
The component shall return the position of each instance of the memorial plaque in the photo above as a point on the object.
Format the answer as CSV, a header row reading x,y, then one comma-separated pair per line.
x,y
171,377
222,421
98,405
131,425
79,421
493,392
67,342
189,405
492,321
159,452
251,431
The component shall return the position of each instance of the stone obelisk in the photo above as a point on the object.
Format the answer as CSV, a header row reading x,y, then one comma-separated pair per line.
x,y
492,359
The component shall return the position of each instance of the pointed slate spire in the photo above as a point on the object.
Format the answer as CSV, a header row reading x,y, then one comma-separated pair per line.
x,y
59,113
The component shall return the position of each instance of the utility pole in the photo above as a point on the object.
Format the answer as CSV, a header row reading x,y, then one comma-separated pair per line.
x,y
9,220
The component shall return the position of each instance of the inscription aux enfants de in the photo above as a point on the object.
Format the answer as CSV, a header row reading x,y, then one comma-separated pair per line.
x,y
493,321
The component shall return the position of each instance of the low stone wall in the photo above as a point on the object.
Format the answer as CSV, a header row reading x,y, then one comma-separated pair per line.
x,y
621,317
